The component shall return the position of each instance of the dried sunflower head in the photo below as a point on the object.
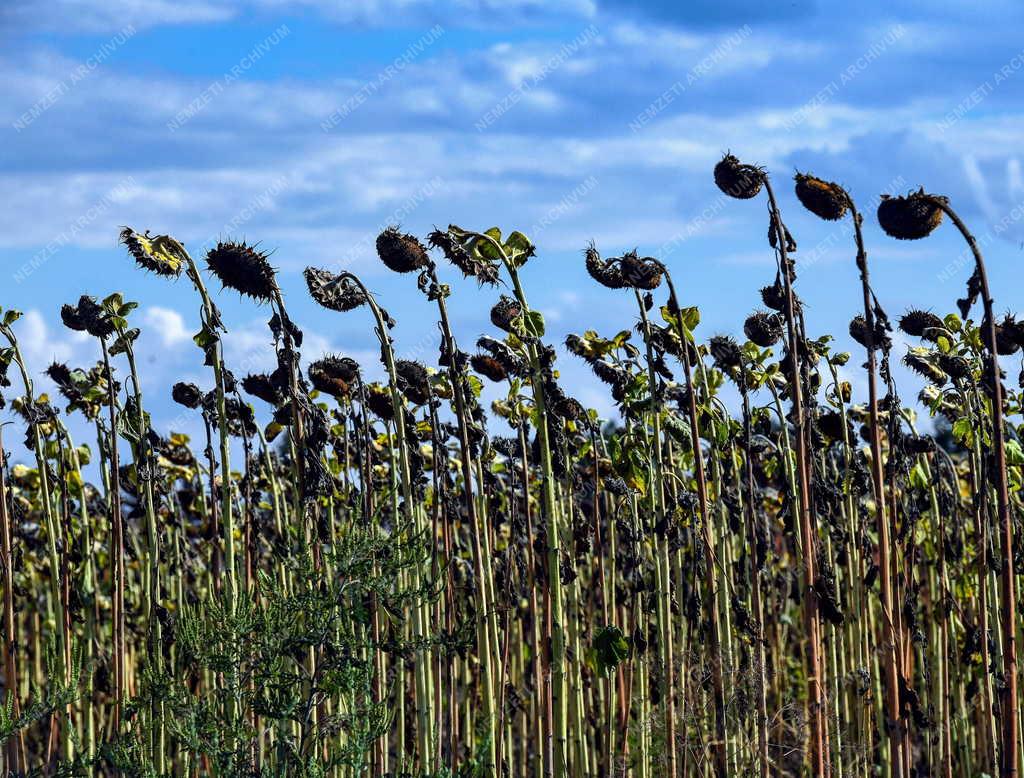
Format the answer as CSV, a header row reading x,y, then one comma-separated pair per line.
x,y
725,352
953,366
825,199
606,273
483,270
505,312
830,425
861,333
922,324
923,367
378,400
736,179
489,367
262,386
87,316
909,218
159,254
60,374
336,293
334,375
187,394
510,362
413,381
774,297
763,328
243,268
1007,342
400,252
640,272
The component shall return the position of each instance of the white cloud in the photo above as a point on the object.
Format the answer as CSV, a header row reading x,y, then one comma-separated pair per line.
x,y
167,324
90,17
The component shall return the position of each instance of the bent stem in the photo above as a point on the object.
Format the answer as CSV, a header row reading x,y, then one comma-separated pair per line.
x,y
1008,694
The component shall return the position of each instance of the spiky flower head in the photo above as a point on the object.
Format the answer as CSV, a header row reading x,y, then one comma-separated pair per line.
x,y
774,297
483,270
922,324
923,367
736,179
861,332
725,352
825,199
262,386
953,366
505,312
489,367
160,254
606,273
187,394
1007,342
87,316
510,362
336,293
763,328
378,400
910,218
334,375
640,272
401,252
1014,330
243,268
60,374
413,381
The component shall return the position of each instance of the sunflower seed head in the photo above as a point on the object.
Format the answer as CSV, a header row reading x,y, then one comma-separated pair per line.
x,y
402,253
912,217
243,268
158,254
336,293
736,179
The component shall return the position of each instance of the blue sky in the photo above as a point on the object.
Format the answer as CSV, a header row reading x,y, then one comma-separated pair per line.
x,y
307,125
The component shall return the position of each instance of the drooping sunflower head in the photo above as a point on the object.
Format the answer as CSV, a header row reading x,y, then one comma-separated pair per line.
x,y
489,367
912,217
640,272
243,268
1006,336
400,252
863,334
187,394
479,267
505,312
922,366
921,324
725,352
606,273
510,362
87,316
825,199
774,297
334,375
378,400
160,254
413,381
60,374
763,328
736,179
336,293
264,387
